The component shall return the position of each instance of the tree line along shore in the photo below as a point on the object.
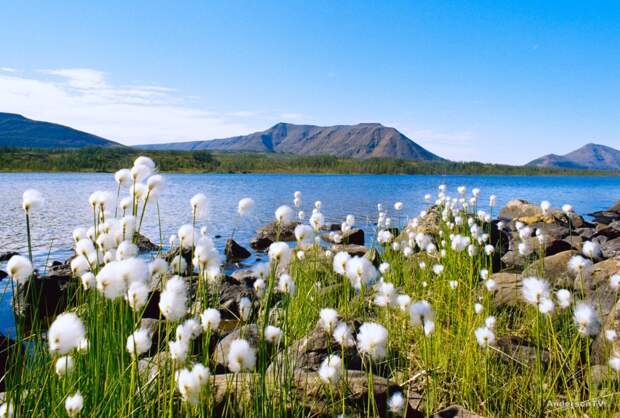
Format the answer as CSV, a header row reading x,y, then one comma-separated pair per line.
x,y
202,161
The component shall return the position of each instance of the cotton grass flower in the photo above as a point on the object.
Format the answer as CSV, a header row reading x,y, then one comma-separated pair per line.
x,y
19,269
403,302
64,365
191,382
178,350
396,403
137,295
32,200
65,333
343,335
586,319
189,330
340,261
304,234
360,272
614,362
210,319
245,206
284,215
279,254
74,404
534,290
563,297
330,369
241,356
328,319
273,334
6,410
577,264
173,300
591,249
139,342
614,281
611,335
198,203
485,336
372,340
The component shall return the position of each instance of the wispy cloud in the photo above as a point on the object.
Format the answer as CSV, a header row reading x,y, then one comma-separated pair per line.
x,y
8,69
132,114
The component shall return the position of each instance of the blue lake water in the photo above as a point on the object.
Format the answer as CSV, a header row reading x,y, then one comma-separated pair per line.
x,y
66,205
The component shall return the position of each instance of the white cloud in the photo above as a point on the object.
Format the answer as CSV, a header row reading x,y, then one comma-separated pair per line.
x,y
8,69
131,114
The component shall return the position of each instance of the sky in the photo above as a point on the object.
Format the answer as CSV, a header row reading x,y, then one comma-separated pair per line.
x,y
491,81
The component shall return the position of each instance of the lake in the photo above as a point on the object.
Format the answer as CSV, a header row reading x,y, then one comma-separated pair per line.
x,y
67,208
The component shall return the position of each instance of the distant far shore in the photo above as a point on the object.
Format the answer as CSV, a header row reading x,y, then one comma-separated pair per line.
x,y
93,160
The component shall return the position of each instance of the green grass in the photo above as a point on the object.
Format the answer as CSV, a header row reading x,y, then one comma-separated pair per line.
x,y
112,159
447,367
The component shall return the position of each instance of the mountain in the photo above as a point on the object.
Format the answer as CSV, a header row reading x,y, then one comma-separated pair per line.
x,y
588,157
364,140
17,131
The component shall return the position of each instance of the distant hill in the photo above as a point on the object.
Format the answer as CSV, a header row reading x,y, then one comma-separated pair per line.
x,y
17,131
364,140
588,157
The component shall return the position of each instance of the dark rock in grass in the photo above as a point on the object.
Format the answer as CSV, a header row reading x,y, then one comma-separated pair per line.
x,y
308,352
352,249
593,282
455,411
553,268
7,255
3,275
231,391
186,253
235,252
552,231
144,244
520,351
602,348
354,236
10,359
248,332
260,243
508,289
277,232
244,274
231,292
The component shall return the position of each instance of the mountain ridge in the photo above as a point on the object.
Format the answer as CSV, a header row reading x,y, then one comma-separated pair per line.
x,y
18,131
591,156
363,140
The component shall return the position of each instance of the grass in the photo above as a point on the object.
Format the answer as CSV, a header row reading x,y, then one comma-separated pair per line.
x,y
446,367
112,159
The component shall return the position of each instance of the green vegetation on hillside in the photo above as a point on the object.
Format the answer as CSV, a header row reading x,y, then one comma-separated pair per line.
x,y
112,159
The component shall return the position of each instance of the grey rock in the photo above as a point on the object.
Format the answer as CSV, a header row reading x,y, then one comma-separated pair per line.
x,y
235,252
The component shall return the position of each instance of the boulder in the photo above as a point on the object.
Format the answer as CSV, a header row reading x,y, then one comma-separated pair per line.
x,y
611,248
308,352
602,348
248,332
610,231
552,231
235,252
553,268
231,291
521,351
3,275
556,246
277,232
353,236
605,217
260,243
575,241
594,284
615,207
6,256
585,233
518,208
244,274
352,249
144,244
455,411
508,289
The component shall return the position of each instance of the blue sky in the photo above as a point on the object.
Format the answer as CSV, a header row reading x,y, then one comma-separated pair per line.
x,y
487,80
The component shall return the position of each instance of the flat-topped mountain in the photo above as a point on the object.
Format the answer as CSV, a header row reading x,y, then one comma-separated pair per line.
x,y
364,140
588,157
17,131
